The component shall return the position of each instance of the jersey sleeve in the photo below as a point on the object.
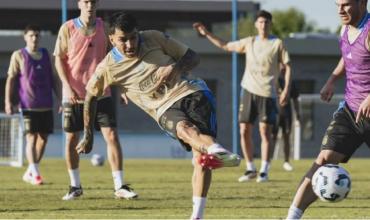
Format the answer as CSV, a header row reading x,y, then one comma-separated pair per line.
x,y
283,54
172,47
61,44
14,65
239,46
100,80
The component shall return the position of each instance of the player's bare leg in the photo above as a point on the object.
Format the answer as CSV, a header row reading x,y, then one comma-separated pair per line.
x,y
32,174
265,132
115,158
213,154
247,147
305,196
72,161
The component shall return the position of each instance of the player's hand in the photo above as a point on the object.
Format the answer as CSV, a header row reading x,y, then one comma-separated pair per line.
x,y
283,98
200,28
8,108
364,110
73,97
163,74
85,145
124,98
327,92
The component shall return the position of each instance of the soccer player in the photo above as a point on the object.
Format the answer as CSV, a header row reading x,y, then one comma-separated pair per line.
x,y
152,70
350,126
285,119
31,76
80,46
264,53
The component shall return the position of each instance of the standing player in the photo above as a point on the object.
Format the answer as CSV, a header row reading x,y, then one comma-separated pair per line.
x,y
31,73
80,46
285,119
263,53
152,70
350,126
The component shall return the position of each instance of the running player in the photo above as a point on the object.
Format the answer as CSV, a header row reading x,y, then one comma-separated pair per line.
x,y
350,126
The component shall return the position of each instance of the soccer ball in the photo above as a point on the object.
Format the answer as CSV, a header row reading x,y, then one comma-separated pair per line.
x,y
331,183
97,160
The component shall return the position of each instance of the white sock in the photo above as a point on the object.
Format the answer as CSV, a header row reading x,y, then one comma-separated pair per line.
x,y
74,176
294,213
34,169
199,203
251,166
117,179
265,166
215,148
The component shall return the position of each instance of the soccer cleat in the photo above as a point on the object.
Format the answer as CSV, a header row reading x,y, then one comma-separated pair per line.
x,y
218,160
125,192
287,166
262,177
28,178
248,175
73,193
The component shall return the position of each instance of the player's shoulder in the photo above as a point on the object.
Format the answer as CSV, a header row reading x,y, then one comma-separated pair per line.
x,y
17,54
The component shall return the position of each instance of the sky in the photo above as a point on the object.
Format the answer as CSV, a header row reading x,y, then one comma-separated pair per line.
x,y
322,12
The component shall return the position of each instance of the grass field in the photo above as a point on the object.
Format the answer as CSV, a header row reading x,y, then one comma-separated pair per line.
x,y
165,192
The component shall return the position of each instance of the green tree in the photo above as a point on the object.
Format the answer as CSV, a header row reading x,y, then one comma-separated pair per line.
x,y
284,22
289,21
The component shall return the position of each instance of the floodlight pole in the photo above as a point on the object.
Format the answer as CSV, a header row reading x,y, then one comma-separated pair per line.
x,y
235,78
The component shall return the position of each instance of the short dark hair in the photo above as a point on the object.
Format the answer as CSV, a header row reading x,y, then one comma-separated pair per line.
x,y
123,21
31,27
264,14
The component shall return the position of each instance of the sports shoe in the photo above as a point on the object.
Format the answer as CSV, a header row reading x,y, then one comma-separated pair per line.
x,y
262,177
248,175
219,159
287,166
73,193
125,192
28,178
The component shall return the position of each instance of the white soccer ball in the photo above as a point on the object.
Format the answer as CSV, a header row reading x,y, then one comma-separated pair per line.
x,y
97,160
331,183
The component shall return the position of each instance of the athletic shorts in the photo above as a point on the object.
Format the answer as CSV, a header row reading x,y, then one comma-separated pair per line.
x,y
252,106
38,121
284,120
344,135
197,108
73,115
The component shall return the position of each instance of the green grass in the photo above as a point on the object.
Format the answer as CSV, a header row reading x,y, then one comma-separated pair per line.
x,y
165,192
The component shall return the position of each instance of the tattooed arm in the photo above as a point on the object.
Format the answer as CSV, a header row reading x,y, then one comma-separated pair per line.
x,y
86,144
183,65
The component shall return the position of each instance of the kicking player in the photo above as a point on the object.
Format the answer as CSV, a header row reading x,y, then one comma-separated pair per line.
x,y
152,70
263,53
31,76
80,46
350,126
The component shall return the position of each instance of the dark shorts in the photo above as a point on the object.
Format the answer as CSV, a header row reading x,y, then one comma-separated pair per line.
x,y
284,120
38,121
252,106
197,108
73,115
344,135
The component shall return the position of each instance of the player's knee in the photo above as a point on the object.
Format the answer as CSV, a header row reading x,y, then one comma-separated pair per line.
x,y
328,156
185,129
244,129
